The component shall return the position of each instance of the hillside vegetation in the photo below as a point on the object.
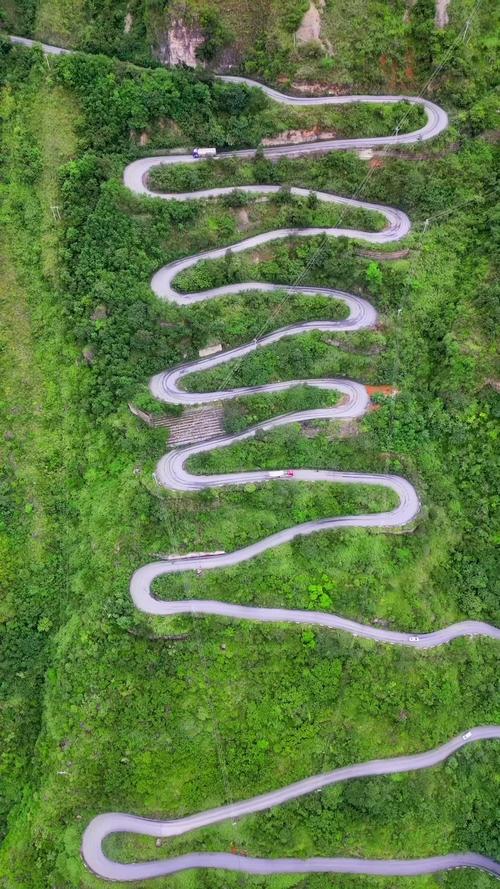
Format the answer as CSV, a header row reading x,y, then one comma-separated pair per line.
x,y
101,708
377,45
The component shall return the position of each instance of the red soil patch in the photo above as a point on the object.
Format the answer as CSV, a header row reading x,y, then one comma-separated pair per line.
x,y
390,391
382,390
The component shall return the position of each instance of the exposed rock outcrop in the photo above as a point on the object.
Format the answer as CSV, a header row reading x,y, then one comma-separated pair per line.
x,y
181,43
310,26
295,137
442,18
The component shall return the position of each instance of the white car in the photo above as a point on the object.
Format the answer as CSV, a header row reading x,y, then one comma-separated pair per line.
x,y
467,736
414,638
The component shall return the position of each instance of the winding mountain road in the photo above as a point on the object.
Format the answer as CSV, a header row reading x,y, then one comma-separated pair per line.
x,y
172,473
117,822
437,118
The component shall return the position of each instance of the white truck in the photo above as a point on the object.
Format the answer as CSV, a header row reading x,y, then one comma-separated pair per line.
x,y
276,473
204,152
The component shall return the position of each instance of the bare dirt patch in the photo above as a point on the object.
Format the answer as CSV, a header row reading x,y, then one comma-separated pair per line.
x,y
243,219
495,384
382,256
264,254
310,26
294,137
382,390
407,13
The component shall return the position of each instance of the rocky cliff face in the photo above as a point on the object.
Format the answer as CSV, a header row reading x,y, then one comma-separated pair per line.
x,y
180,43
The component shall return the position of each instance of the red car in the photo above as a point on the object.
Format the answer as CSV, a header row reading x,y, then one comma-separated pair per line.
x,y
290,473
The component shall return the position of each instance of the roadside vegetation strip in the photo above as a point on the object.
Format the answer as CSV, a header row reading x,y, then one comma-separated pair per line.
x,y
115,822
437,118
162,282
136,178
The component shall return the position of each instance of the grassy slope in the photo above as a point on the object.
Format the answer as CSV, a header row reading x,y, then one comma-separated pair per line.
x,y
37,450
61,23
121,710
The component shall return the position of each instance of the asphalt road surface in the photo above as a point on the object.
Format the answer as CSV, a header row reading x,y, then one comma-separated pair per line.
x,y
47,47
144,577
172,473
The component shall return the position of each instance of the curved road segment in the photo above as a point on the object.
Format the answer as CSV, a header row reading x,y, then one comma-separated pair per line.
x,y
117,822
437,118
172,473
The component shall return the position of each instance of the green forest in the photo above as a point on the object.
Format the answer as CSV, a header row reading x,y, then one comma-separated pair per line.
x,y
103,708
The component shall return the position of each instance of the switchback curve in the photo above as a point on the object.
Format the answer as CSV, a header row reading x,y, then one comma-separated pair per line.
x,y
117,822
